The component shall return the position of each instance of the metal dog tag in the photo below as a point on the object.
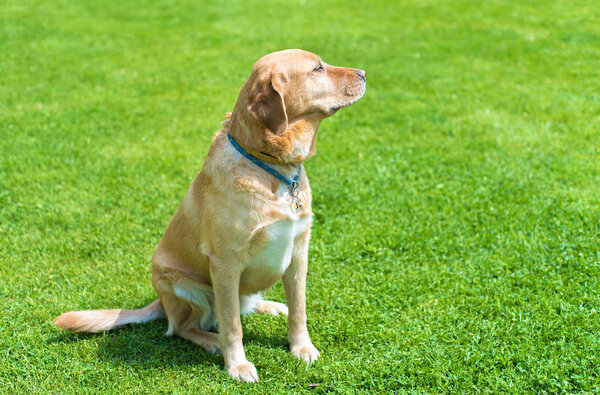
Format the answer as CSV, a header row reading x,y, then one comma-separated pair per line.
x,y
296,205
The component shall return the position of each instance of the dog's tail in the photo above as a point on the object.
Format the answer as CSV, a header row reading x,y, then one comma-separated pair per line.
x,y
104,320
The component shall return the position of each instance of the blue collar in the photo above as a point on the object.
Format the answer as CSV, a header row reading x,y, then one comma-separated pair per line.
x,y
292,184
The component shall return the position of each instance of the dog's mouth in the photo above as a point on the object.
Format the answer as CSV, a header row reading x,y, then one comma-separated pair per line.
x,y
353,98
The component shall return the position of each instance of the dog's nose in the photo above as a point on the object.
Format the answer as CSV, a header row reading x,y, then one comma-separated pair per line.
x,y
362,74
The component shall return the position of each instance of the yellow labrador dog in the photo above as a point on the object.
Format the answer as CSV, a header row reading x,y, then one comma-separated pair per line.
x,y
245,221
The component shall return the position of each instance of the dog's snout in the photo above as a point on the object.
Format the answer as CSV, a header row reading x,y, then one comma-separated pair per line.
x,y
362,74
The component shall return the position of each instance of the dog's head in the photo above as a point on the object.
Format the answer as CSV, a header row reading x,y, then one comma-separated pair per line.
x,y
287,96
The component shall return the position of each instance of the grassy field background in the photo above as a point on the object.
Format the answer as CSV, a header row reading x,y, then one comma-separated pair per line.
x,y
455,243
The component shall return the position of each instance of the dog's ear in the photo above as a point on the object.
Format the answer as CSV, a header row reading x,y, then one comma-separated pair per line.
x,y
266,104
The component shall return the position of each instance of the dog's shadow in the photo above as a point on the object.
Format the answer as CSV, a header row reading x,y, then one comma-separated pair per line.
x,y
146,346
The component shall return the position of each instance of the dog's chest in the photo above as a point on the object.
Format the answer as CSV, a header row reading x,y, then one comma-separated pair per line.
x,y
275,254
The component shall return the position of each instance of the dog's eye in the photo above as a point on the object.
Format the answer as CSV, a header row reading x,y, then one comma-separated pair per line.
x,y
319,67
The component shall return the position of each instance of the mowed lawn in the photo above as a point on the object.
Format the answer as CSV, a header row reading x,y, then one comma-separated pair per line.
x,y
457,205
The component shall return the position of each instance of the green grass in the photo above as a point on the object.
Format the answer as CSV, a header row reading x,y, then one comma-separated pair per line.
x,y
457,210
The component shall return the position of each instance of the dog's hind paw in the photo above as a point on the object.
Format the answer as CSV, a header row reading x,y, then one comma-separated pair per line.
x,y
273,308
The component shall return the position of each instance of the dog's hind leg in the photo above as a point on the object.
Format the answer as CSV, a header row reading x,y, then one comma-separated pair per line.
x,y
255,304
188,306
207,340
185,317
270,307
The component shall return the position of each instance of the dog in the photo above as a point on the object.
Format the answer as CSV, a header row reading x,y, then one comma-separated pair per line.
x,y
245,221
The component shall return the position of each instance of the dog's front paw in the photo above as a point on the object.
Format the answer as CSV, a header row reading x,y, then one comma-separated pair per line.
x,y
244,372
306,352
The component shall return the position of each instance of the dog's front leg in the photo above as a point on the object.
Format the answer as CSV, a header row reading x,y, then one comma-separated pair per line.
x,y
225,277
294,283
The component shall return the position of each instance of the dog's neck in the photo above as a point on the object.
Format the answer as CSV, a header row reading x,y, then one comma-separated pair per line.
x,y
291,147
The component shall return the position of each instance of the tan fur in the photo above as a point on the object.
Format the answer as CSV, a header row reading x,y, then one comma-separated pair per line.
x,y
234,234
103,320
